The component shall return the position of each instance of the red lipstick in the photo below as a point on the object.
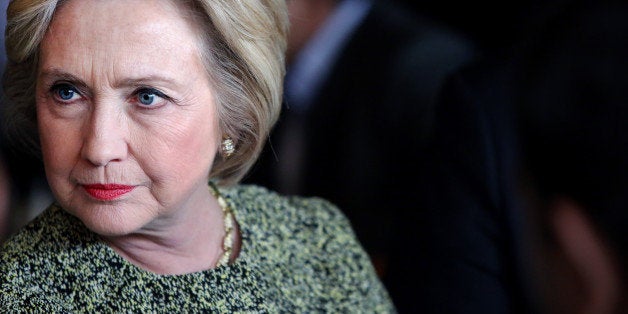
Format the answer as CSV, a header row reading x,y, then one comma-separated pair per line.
x,y
107,192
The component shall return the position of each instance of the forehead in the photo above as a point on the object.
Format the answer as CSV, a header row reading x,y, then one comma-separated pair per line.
x,y
124,32
115,16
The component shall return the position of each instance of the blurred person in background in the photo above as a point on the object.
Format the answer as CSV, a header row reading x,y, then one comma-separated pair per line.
x,y
359,98
467,239
573,114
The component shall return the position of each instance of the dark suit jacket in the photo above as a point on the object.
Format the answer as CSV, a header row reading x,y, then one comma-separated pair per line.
x,y
367,128
466,254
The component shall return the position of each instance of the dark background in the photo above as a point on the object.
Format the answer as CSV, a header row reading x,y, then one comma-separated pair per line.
x,y
495,26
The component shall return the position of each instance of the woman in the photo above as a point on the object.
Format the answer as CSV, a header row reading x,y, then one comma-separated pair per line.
x,y
137,104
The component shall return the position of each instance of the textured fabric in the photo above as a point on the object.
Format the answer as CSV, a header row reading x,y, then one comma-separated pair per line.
x,y
298,255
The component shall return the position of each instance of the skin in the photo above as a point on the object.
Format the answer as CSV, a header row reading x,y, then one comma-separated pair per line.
x,y
98,61
306,17
586,276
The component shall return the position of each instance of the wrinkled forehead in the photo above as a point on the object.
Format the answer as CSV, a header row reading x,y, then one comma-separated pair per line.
x,y
119,35
144,22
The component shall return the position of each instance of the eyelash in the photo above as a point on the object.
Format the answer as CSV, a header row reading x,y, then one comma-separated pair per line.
x,y
149,90
56,87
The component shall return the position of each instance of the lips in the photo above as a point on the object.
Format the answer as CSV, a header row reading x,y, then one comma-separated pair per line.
x,y
107,192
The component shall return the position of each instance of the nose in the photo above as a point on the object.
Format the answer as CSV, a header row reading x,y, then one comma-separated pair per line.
x,y
104,137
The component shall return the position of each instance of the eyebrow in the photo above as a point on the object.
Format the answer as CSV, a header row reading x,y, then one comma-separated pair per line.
x,y
145,80
55,73
61,75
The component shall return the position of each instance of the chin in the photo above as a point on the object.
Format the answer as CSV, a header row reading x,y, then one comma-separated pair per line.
x,y
110,220
110,229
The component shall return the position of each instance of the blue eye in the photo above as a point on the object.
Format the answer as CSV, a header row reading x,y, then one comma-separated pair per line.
x,y
150,97
64,92
146,97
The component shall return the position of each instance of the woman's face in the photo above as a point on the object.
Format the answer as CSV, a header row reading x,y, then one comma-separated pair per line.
x,y
127,119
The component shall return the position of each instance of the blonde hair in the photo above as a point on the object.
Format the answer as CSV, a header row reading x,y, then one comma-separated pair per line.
x,y
242,44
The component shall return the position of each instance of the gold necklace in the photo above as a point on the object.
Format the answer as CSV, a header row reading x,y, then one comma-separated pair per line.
x,y
227,214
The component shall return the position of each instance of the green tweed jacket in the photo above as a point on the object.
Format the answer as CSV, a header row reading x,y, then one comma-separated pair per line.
x,y
298,255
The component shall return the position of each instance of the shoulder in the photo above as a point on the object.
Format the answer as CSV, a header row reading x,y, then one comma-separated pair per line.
x,y
310,243
52,229
293,213
30,239
32,259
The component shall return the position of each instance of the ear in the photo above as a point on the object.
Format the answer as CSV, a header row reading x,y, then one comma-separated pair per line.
x,y
590,257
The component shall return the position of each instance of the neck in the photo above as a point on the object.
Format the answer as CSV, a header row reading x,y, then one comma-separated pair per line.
x,y
188,241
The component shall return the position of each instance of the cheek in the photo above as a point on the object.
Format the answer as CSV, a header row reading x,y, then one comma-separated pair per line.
x,y
180,150
60,147
60,143
198,146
